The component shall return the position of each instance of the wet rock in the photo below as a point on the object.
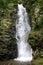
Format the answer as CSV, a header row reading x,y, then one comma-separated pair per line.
x,y
8,45
9,50
13,14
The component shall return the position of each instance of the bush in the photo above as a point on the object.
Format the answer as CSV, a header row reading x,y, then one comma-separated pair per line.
x,y
36,40
39,24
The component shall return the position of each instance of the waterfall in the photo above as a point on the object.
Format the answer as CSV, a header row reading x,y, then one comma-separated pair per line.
x,y
22,32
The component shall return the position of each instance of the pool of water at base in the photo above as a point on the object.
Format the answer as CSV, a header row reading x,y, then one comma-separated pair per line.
x,y
12,62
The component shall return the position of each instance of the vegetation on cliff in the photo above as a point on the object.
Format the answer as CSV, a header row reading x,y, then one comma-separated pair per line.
x,y
7,29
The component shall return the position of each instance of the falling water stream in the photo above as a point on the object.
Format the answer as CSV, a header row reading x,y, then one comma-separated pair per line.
x,y
22,32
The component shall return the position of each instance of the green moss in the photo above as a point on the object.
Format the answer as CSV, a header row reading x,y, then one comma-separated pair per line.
x,y
38,61
36,40
39,24
6,23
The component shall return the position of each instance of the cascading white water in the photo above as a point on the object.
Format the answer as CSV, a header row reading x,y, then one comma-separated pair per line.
x,y
22,32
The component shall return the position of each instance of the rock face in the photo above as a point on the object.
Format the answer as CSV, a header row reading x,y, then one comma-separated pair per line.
x,y
8,46
9,50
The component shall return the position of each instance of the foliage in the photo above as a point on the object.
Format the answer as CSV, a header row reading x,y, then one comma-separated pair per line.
x,y
35,13
36,40
38,61
4,3
39,24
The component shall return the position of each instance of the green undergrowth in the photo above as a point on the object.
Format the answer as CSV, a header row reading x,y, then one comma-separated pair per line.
x,y
38,61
